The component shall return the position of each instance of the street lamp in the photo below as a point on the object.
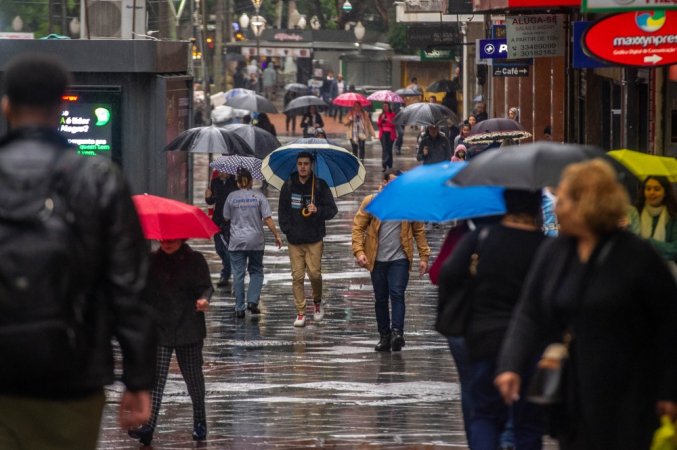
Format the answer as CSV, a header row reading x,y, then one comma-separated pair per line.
x,y
258,24
347,7
359,31
302,22
17,24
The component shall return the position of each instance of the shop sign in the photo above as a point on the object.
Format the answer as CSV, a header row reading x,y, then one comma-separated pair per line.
x,y
436,54
460,7
425,6
433,35
642,38
492,48
282,36
580,60
535,36
626,5
515,70
499,5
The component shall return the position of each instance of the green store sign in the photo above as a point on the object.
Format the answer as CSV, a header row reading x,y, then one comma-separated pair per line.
x,y
436,55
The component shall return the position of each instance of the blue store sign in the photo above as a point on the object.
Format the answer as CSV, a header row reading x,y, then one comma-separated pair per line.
x,y
493,48
580,59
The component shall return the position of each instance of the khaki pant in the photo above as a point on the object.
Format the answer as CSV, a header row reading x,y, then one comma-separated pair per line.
x,y
29,423
306,258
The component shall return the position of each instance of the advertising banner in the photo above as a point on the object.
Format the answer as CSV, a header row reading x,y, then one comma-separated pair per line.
x,y
535,36
626,5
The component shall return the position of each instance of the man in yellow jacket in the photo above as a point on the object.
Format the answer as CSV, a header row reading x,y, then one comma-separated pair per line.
x,y
386,249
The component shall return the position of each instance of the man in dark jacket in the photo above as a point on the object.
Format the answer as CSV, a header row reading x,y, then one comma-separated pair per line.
x,y
217,193
434,147
305,204
64,412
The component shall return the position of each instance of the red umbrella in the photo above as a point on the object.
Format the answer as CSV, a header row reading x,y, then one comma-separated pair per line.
x,y
164,218
350,98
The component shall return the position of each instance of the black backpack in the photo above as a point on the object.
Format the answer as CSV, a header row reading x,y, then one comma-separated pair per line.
x,y
42,331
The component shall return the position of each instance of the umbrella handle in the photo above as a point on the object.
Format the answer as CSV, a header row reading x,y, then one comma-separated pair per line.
x,y
304,211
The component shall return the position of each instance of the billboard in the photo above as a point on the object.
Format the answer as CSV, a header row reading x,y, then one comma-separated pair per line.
x,y
90,120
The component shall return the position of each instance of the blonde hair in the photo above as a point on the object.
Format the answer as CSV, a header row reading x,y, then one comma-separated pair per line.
x,y
598,196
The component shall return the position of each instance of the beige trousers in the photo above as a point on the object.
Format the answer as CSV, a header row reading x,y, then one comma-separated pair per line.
x,y
306,258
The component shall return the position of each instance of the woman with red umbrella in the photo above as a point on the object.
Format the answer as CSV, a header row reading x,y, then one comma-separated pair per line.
x,y
359,129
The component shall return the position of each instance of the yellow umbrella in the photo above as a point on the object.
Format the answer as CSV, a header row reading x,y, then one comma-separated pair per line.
x,y
644,165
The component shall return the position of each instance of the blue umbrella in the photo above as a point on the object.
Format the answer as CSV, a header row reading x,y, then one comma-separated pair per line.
x,y
424,194
342,171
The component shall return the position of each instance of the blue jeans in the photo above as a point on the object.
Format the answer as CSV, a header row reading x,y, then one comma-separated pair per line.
x,y
238,262
491,414
390,281
460,354
222,250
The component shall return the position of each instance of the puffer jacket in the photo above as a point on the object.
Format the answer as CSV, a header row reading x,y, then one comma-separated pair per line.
x,y
365,236
113,251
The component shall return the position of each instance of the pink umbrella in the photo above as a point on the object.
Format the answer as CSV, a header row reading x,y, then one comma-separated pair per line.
x,y
385,96
350,98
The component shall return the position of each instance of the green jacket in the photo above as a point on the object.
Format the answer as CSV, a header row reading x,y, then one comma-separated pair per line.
x,y
667,249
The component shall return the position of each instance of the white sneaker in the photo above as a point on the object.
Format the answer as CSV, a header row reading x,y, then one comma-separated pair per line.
x,y
319,312
300,321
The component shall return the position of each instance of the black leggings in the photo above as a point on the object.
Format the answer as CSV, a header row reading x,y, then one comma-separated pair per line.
x,y
360,145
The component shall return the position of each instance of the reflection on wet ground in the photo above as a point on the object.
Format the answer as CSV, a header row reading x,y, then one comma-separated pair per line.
x,y
270,385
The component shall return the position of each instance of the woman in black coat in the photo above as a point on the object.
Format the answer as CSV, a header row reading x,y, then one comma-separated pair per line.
x,y
614,294
179,288
311,120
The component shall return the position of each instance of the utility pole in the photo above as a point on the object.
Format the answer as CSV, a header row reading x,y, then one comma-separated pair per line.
x,y
218,47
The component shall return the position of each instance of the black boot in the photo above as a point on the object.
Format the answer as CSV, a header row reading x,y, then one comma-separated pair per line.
x,y
397,341
383,344
144,434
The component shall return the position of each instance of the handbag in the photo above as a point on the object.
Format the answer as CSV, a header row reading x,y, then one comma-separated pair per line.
x,y
362,136
453,312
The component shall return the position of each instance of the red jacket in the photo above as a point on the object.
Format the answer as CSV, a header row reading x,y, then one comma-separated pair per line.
x,y
385,125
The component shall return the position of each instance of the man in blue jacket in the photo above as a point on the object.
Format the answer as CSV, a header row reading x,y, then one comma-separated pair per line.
x,y
306,202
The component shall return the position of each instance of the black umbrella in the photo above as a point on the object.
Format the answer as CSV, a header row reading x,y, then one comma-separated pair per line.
x,y
493,130
252,102
443,86
210,139
297,87
259,140
530,166
404,92
299,105
425,114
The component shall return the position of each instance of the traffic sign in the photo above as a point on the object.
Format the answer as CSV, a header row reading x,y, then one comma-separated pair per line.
x,y
642,38
625,5
535,36
516,70
492,48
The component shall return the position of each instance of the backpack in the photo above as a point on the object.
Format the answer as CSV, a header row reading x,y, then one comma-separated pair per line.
x,y
42,331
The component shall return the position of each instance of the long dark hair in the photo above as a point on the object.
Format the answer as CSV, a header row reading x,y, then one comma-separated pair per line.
x,y
670,201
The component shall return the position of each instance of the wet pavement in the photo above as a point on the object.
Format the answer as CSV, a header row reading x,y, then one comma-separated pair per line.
x,y
270,385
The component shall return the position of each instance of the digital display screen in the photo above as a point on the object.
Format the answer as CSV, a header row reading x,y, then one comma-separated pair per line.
x,y
90,120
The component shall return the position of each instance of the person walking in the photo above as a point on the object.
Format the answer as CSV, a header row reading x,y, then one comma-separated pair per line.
x,y
269,82
81,267
459,153
179,289
306,203
247,210
359,129
465,132
387,134
290,117
263,122
497,259
219,188
621,331
341,87
434,147
386,249
310,121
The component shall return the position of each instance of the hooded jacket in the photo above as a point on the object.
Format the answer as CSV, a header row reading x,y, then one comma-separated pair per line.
x,y
294,196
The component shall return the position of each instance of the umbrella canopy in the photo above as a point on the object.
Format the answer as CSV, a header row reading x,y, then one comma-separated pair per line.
x,y
342,171
230,164
350,98
163,218
423,194
237,92
442,86
259,140
297,87
425,114
643,165
252,102
385,96
210,139
225,113
531,166
299,105
405,92
493,130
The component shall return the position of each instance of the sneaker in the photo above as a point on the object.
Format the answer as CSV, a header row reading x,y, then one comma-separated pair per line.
x,y
223,282
254,309
144,434
318,313
300,321
239,314
199,431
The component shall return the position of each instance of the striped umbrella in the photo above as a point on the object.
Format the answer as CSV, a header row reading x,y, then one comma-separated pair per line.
x,y
230,164
385,96
350,98
342,171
